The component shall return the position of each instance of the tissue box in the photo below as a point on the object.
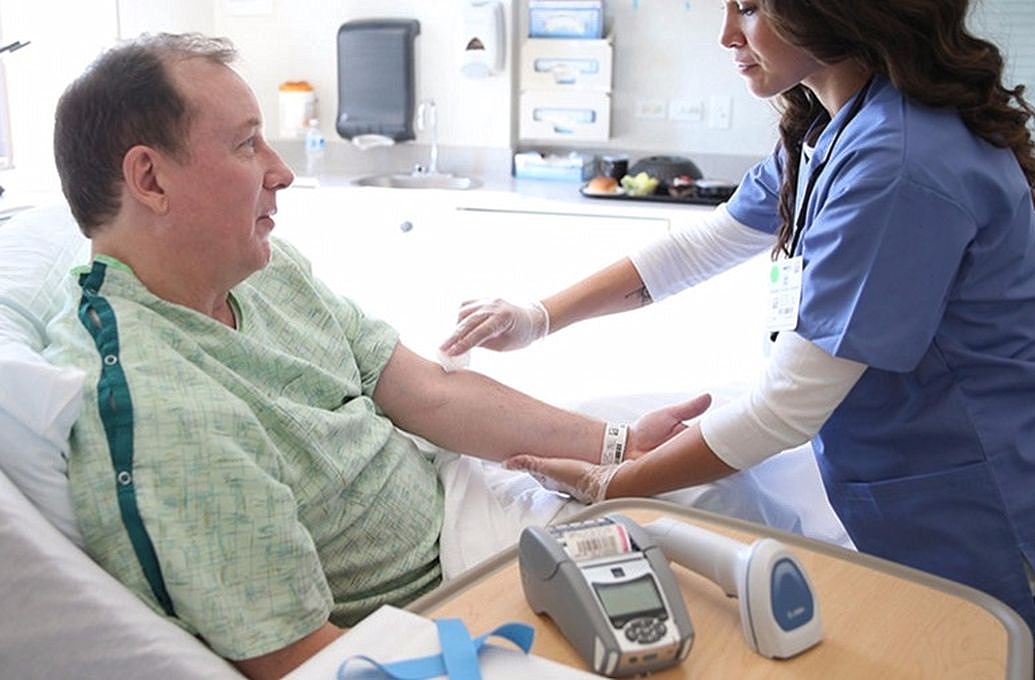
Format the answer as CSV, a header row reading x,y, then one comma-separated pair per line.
x,y
572,168
565,19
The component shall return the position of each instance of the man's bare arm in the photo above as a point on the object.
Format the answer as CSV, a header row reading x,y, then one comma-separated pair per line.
x,y
281,662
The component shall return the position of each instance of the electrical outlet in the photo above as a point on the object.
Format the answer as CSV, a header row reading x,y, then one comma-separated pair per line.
x,y
651,108
686,110
720,111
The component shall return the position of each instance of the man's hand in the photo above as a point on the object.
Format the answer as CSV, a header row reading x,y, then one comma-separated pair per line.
x,y
657,427
587,482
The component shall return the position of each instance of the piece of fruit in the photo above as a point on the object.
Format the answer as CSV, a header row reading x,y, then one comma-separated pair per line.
x,y
641,184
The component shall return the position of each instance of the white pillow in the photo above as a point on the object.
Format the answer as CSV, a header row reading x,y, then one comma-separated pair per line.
x,y
39,401
62,616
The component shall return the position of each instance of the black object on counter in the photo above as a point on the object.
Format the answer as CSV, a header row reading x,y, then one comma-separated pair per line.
x,y
666,168
679,181
376,78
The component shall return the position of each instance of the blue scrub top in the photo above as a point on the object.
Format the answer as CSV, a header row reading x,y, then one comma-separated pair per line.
x,y
919,261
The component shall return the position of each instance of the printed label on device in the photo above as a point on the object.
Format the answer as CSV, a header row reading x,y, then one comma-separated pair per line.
x,y
594,542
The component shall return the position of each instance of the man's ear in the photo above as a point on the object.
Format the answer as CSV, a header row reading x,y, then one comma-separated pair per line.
x,y
142,179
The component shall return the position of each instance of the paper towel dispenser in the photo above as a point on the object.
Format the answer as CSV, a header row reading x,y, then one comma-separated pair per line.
x,y
376,78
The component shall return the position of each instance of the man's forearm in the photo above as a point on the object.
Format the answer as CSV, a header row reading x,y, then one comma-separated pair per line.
x,y
277,664
470,413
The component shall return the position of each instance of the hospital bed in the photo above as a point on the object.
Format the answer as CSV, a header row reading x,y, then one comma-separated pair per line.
x,y
62,616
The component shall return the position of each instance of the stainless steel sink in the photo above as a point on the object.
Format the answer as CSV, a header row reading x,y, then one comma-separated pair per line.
x,y
419,181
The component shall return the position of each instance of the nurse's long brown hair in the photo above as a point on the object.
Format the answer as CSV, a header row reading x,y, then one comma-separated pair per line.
x,y
924,48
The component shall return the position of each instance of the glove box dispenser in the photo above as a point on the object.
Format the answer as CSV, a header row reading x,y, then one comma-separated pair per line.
x,y
565,90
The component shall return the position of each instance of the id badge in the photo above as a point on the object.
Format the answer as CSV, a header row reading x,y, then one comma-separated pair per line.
x,y
784,295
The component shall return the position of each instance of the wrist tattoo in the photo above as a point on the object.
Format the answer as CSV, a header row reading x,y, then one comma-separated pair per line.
x,y
643,294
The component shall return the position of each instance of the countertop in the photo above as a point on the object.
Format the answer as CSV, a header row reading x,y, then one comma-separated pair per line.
x,y
344,163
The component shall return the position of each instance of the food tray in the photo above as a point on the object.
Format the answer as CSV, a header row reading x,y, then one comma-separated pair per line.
x,y
715,197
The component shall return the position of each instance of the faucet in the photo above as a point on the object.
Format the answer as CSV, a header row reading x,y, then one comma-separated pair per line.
x,y
427,120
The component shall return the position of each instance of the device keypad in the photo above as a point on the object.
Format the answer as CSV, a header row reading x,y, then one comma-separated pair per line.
x,y
645,630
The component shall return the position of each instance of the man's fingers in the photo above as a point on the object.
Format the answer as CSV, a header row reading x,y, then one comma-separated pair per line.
x,y
692,408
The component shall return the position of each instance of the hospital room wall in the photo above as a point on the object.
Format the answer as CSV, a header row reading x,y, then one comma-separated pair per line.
x,y
65,36
665,51
295,40
671,40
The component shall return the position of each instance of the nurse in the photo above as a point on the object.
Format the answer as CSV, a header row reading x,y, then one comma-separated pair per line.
x,y
898,210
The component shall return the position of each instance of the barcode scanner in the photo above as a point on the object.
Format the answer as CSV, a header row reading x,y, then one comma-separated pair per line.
x,y
779,615
608,587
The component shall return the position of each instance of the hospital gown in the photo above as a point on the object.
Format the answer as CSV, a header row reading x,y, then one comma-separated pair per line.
x,y
274,492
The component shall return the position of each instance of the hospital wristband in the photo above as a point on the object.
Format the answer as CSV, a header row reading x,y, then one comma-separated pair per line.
x,y
615,437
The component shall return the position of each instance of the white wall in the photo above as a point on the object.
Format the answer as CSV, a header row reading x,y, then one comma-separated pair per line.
x,y
178,16
664,50
65,36
298,42
668,50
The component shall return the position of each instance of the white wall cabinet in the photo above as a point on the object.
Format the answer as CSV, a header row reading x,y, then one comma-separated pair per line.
x,y
565,90
368,244
412,257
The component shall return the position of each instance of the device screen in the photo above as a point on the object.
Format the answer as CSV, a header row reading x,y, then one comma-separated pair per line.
x,y
623,601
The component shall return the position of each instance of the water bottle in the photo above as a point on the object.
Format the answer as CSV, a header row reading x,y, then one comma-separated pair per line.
x,y
314,148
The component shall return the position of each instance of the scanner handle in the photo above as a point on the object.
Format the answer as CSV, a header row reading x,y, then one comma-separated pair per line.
x,y
716,557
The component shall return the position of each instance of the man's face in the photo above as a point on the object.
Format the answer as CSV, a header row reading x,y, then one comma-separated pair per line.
x,y
222,194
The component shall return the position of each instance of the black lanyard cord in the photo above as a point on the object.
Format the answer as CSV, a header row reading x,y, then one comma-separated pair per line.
x,y
802,207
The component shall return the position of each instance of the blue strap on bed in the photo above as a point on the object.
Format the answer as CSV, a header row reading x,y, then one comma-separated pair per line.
x,y
116,409
459,657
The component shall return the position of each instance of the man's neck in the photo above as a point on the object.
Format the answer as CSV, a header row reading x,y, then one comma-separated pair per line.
x,y
171,278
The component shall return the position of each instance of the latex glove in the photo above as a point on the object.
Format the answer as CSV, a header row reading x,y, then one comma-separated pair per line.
x,y
585,482
588,482
496,324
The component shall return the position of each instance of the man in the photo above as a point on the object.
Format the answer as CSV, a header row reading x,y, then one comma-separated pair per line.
x,y
238,462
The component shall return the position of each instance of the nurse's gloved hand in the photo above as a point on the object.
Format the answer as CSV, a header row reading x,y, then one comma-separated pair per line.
x,y
496,324
585,482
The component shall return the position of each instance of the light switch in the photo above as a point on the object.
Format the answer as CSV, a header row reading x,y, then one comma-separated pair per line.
x,y
720,111
686,110
651,108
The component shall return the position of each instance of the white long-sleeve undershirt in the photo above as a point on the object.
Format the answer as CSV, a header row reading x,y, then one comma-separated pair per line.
x,y
801,384
703,248
798,389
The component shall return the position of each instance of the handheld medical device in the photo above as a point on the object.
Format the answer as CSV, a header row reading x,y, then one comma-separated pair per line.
x,y
611,592
779,615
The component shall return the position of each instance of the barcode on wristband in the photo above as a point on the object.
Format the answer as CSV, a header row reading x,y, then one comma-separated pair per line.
x,y
613,450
